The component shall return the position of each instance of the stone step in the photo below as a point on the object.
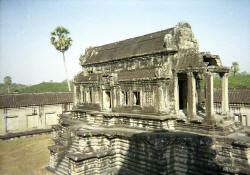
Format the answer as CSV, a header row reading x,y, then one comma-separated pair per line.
x,y
61,171
64,164
75,147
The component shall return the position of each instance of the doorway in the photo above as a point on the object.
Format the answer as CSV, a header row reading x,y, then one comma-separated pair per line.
x,y
182,83
107,100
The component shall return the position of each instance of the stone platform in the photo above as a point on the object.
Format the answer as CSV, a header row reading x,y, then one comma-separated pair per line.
x,y
146,145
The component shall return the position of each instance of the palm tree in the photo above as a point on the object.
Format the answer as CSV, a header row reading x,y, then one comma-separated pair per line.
x,y
235,67
59,38
7,81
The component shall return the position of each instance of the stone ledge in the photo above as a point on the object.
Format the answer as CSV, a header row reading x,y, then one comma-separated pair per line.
x,y
84,156
25,133
153,116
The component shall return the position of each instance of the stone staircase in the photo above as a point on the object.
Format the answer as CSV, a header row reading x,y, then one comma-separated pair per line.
x,y
63,167
74,147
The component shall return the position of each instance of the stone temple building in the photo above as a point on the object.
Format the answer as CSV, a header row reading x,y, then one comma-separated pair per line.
x,y
137,112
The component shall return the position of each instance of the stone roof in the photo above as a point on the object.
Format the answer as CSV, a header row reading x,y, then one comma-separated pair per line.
x,y
80,78
137,74
236,96
142,45
190,59
35,99
169,40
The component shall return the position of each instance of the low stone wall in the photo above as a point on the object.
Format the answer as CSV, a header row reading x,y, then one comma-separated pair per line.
x,y
24,134
119,151
30,118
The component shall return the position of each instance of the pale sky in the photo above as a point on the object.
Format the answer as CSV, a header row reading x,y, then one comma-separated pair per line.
x,y
220,26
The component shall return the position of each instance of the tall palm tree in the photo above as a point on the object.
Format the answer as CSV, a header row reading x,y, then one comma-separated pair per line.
x,y
60,39
7,81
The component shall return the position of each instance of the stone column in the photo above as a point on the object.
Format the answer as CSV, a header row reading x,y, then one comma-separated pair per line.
x,y
82,94
210,97
97,96
3,114
160,98
74,95
191,101
176,94
198,93
101,97
224,94
114,97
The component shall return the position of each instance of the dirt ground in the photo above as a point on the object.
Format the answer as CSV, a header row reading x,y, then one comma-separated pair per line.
x,y
25,156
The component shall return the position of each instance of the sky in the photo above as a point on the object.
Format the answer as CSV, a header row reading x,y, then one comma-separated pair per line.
x,y
26,54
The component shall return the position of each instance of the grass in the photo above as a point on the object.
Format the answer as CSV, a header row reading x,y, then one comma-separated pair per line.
x,y
25,156
237,81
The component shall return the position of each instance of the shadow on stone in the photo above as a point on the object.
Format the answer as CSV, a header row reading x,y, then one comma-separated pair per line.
x,y
171,153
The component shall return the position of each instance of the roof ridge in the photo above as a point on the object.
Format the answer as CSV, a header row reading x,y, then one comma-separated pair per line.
x,y
13,94
97,47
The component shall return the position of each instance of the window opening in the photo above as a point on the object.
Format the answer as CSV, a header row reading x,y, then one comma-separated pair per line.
x,y
148,96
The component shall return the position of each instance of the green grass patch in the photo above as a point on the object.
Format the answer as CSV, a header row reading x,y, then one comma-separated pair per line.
x,y
237,81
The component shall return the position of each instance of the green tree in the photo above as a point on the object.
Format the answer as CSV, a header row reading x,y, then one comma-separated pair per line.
x,y
235,67
7,82
60,39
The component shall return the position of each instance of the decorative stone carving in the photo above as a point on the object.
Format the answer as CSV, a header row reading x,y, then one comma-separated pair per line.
x,y
90,51
169,42
185,37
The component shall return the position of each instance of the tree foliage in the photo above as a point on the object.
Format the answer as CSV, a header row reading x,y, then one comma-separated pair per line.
x,y
235,67
7,81
60,39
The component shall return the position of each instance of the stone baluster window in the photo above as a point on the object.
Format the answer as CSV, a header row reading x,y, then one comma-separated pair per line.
x,y
149,98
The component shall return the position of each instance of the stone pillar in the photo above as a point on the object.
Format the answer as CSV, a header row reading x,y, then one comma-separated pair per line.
x,y
101,97
3,114
97,96
191,101
74,95
198,93
82,94
210,97
176,94
160,98
114,98
224,94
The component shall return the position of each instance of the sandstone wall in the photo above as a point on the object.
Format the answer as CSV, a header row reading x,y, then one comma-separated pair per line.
x,y
29,118
150,153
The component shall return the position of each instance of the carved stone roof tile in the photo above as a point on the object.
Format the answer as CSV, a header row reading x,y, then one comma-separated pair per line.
x,y
137,74
236,96
35,99
146,44
189,59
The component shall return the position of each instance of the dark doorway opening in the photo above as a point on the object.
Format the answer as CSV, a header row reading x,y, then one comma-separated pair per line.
x,y
137,98
107,100
182,82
